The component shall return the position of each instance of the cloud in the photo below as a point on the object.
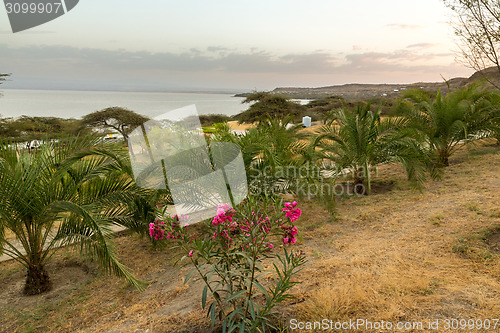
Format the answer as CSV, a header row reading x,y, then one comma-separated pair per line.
x,y
217,49
399,26
421,45
215,64
399,60
194,60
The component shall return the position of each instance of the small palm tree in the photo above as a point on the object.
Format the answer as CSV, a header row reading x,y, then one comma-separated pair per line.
x,y
270,144
266,147
358,140
461,116
72,194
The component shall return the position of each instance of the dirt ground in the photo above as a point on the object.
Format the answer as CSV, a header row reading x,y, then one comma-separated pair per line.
x,y
398,255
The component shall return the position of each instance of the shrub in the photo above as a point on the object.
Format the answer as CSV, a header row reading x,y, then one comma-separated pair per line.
x,y
55,197
358,140
229,255
447,121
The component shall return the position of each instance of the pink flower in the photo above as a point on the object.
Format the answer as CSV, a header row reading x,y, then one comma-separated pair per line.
x,y
269,247
224,214
156,231
190,253
292,213
289,240
290,233
222,209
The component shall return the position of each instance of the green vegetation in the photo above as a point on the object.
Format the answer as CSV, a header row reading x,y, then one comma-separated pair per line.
x,y
27,128
116,118
210,119
265,148
76,192
266,105
2,77
318,108
359,140
476,244
445,121
54,197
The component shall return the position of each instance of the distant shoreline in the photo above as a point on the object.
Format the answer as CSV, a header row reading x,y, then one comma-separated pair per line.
x,y
77,103
215,92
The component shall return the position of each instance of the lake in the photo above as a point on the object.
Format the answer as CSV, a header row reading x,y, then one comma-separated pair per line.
x,y
75,104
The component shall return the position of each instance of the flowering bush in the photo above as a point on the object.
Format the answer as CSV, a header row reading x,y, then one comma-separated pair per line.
x,y
229,257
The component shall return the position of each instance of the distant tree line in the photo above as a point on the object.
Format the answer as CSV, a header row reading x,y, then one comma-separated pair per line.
x,y
2,77
112,119
27,128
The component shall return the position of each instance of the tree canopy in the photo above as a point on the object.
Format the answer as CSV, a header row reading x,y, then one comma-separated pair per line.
x,y
26,128
266,105
478,28
120,119
2,77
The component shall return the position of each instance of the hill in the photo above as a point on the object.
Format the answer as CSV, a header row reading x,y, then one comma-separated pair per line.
x,y
363,91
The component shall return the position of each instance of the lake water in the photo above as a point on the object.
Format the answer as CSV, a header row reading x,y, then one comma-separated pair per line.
x,y
75,104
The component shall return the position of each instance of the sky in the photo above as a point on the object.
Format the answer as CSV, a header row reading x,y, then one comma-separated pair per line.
x,y
158,45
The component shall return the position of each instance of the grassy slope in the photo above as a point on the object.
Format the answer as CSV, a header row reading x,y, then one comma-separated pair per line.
x,y
398,255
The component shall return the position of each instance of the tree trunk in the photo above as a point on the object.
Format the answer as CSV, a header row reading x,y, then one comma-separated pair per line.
x,y
359,187
37,280
359,182
444,158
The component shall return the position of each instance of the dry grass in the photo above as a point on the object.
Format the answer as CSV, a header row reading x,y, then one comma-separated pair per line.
x,y
397,255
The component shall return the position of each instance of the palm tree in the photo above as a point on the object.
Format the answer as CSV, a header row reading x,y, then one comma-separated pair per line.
x,y
269,144
463,115
70,194
266,147
358,140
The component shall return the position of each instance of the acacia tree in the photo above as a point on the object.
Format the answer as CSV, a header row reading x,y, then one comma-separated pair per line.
x,y
478,27
120,119
264,105
2,78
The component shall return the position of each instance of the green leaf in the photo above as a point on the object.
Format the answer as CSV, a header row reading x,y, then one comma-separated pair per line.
x,y
236,295
189,276
204,297
261,287
211,312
